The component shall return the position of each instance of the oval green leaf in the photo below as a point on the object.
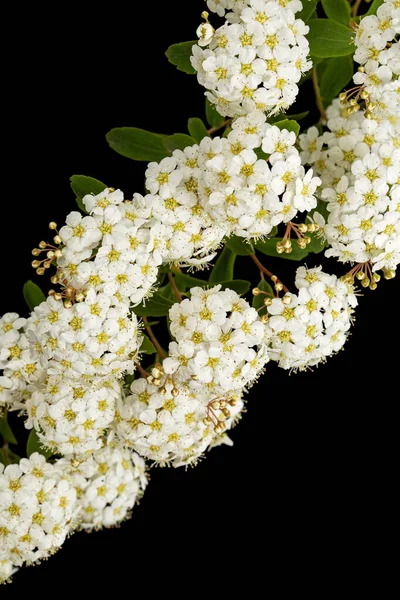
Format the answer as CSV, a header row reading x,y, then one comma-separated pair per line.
x,y
137,144
179,55
197,129
82,185
309,7
146,346
6,431
258,301
33,295
328,38
338,10
239,246
224,267
213,117
35,445
178,141
337,74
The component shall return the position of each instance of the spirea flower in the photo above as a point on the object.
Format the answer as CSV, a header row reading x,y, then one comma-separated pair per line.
x,y
255,61
378,51
170,424
37,511
218,345
305,328
108,485
358,160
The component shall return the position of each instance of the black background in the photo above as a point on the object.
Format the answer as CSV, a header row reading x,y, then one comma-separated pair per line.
x,y
309,480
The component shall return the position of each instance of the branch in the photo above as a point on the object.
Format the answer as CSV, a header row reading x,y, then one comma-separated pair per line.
x,y
153,338
355,8
177,293
215,129
263,269
318,97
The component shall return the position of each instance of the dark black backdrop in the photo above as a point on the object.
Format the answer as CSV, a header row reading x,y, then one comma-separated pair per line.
x,y
310,475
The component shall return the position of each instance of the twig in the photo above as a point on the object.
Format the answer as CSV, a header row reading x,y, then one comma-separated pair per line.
x,y
355,8
215,129
177,293
318,97
263,269
142,371
153,338
5,443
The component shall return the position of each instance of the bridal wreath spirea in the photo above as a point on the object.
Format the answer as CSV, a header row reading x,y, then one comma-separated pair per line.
x,y
132,361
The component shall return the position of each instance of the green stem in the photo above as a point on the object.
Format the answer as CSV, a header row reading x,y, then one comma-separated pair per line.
x,y
355,8
222,126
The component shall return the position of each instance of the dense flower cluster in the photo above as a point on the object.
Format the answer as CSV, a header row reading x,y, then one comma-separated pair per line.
x,y
358,161
378,51
304,329
107,484
256,59
168,424
37,511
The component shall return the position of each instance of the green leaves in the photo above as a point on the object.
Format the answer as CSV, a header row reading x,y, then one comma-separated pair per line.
x,y
146,346
6,432
179,55
374,7
336,76
289,125
82,185
338,10
309,7
328,38
223,269
137,144
177,141
258,301
7,457
197,129
213,116
156,306
35,445
239,246
33,295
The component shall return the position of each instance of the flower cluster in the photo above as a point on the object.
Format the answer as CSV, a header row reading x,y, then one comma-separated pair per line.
x,y
218,342
174,425
304,329
378,51
358,160
107,484
255,61
37,511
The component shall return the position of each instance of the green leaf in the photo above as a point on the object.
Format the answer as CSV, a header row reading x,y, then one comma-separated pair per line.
x,y
240,286
308,9
7,457
197,129
82,185
336,76
260,154
328,38
224,266
374,7
338,10
258,301
35,445
6,431
185,282
179,55
239,246
289,125
137,144
178,141
33,295
146,346
213,117
269,248
156,306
